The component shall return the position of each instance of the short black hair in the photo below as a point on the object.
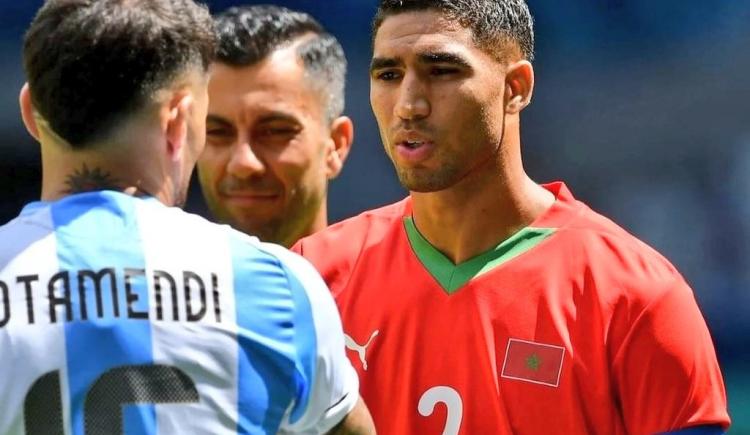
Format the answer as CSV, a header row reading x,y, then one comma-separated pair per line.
x,y
90,62
492,22
247,35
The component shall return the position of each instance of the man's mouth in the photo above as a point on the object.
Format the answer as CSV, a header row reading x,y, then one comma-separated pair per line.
x,y
412,144
243,197
414,151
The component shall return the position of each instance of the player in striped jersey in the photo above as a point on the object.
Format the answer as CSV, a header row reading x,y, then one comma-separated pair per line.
x,y
120,313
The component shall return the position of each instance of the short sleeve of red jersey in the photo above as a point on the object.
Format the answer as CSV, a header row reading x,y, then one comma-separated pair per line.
x,y
665,370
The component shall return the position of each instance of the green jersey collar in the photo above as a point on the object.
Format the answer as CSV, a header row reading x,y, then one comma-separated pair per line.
x,y
453,276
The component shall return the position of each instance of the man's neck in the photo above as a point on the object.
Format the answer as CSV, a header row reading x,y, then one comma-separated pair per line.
x,y
88,179
465,221
128,160
319,222
64,175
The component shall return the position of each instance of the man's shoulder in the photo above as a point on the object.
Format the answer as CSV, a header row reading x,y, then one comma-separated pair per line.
x,y
367,227
336,250
372,219
603,234
590,239
244,249
624,265
175,219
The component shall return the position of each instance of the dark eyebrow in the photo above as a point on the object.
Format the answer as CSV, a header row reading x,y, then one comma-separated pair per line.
x,y
431,57
276,117
384,62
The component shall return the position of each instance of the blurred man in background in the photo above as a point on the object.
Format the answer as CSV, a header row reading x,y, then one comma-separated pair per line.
x,y
120,313
275,130
485,303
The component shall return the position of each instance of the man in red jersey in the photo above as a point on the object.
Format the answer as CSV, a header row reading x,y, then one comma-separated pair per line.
x,y
485,303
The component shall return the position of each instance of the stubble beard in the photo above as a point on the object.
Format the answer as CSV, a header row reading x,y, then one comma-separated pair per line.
x,y
425,180
284,228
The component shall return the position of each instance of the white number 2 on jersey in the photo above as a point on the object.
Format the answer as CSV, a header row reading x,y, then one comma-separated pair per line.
x,y
452,401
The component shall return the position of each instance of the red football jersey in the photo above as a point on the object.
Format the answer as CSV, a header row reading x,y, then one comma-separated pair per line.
x,y
571,326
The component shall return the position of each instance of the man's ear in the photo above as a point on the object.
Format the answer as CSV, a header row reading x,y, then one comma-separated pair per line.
x,y
176,117
342,136
27,111
519,83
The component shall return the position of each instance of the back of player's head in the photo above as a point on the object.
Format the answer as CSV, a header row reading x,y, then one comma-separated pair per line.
x,y
493,23
247,35
91,62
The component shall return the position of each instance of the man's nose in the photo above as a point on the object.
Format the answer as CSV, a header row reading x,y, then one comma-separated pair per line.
x,y
244,162
413,102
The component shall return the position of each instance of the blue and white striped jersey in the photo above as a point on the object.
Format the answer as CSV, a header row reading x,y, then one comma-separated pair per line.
x,y
121,315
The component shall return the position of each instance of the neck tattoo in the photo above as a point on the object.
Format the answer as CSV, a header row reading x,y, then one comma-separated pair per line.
x,y
89,180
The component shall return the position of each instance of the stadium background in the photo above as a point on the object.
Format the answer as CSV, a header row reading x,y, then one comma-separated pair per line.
x,y
641,106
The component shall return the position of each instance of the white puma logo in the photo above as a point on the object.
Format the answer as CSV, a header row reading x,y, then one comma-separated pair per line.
x,y
360,349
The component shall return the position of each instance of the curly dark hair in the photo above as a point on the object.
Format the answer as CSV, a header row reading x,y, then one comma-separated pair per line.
x,y
492,22
90,62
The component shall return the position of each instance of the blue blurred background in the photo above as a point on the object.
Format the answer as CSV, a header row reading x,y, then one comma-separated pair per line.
x,y
641,106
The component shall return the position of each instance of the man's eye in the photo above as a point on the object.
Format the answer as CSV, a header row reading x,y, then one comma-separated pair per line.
x,y
438,71
283,131
277,133
218,132
386,75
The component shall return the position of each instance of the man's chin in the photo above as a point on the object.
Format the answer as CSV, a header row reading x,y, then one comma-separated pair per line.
x,y
423,185
427,182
